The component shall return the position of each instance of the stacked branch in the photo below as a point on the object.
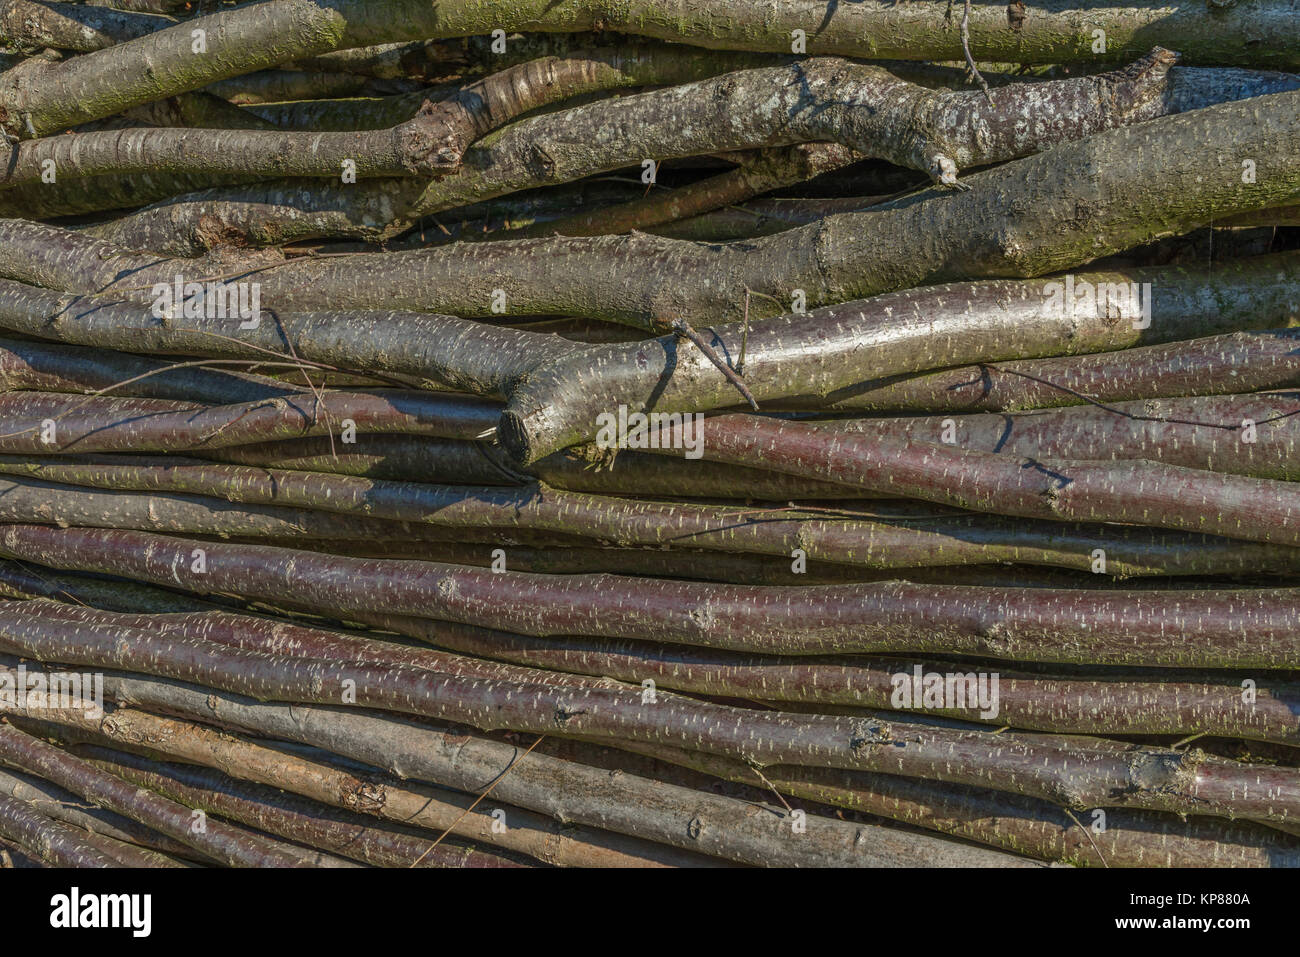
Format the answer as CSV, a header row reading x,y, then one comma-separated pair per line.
x,y
615,435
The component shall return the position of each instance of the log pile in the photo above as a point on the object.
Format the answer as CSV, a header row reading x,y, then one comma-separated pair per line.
x,y
703,435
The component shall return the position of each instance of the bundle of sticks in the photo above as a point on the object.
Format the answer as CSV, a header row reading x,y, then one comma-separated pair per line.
x,y
533,434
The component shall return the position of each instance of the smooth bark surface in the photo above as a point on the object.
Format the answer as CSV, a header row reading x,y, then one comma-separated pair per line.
x,y
1129,491
284,503
1226,628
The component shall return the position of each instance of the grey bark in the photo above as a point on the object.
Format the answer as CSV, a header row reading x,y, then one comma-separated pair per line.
x,y
567,790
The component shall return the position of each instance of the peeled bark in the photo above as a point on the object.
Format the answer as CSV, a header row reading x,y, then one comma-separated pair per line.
x,y
309,822
374,796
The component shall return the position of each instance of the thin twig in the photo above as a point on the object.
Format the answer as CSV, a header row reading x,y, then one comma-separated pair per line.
x,y
145,375
683,328
779,796
1137,417
1088,834
478,799
972,69
1187,740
